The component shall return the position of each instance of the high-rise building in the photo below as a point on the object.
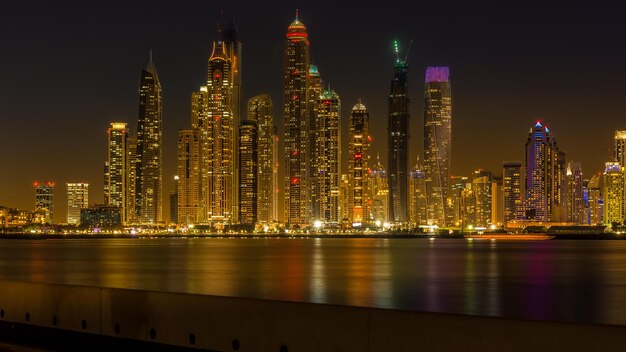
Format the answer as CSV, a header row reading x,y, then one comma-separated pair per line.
x,y
379,193
328,157
189,204
596,199
417,195
248,172
117,187
397,141
457,186
234,51
297,203
497,202
575,194
174,202
482,182
130,210
437,142
468,206
260,109
149,180
619,147
359,140
44,200
542,177
344,204
77,199
512,189
314,91
613,192
218,144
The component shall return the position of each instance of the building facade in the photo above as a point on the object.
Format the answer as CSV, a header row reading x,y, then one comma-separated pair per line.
x,y
44,200
359,140
438,143
328,157
77,199
613,193
248,172
595,199
379,193
190,210
512,189
575,195
417,196
149,179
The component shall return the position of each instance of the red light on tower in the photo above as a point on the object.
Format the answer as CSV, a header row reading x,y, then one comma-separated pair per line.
x,y
358,156
295,153
35,184
295,181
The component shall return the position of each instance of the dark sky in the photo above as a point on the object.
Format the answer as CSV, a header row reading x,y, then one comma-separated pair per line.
x,y
67,71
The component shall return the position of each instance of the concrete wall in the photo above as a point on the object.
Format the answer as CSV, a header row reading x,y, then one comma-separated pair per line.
x,y
236,324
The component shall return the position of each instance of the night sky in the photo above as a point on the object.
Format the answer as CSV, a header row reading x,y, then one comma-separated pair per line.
x,y
67,71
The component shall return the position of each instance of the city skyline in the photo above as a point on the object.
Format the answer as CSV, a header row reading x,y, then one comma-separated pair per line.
x,y
85,164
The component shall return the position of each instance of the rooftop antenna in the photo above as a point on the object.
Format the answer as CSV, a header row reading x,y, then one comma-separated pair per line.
x,y
297,13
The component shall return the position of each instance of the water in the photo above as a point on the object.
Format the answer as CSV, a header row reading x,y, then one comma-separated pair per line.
x,y
574,281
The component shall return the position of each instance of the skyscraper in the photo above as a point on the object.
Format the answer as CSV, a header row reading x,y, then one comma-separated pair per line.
x,y
297,206
575,195
458,185
437,142
248,172
511,184
149,183
596,199
328,157
398,138
190,210
613,192
483,194
117,175
417,195
619,148
260,109
379,192
542,175
130,210
77,199
359,140
174,202
44,200
315,89
218,135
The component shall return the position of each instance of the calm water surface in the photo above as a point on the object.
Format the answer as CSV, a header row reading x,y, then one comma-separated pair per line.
x,y
577,281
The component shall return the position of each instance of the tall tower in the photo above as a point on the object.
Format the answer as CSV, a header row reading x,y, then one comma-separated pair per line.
x,y
359,140
218,142
329,157
248,171
398,138
613,192
44,199
234,51
261,110
417,195
542,174
149,188
314,91
297,207
619,148
117,177
511,184
575,196
483,193
77,199
437,142
189,188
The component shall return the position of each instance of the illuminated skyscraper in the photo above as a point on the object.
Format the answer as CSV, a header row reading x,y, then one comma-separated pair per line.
x,y
542,175
398,138
379,192
190,210
575,195
497,201
512,178
77,199
417,195
117,186
218,136
248,172
44,200
483,194
297,206
596,199
613,191
174,202
619,148
457,186
261,110
149,184
234,51
437,142
314,91
359,140
131,181
328,157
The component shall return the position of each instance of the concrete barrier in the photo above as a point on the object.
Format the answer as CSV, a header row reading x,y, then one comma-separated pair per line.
x,y
239,324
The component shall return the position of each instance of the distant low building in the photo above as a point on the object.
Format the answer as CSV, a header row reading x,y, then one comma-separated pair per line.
x,y
101,216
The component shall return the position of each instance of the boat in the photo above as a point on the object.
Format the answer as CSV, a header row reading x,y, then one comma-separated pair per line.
x,y
510,236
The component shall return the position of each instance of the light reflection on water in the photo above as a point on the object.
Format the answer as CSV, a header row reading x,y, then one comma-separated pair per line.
x,y
580,281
